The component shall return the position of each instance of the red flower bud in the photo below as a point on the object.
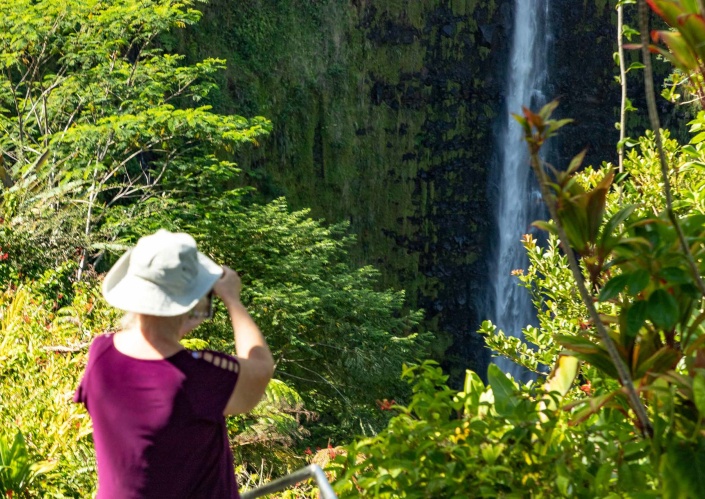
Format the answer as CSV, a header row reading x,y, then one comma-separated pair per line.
x,y
587,388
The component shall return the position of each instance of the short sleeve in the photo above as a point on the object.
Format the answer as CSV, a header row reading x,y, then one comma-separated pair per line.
x,y
214,378
79,395
98,345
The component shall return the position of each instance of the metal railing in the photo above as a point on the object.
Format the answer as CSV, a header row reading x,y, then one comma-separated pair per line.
x,y
311,471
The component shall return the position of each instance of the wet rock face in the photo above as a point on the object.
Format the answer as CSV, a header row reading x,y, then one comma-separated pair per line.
x,y
385,115
455,95
582,79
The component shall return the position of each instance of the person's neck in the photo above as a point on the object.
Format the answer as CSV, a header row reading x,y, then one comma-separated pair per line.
x,y
148,339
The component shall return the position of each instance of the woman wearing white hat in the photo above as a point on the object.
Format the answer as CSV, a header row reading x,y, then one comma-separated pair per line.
x,y
158,410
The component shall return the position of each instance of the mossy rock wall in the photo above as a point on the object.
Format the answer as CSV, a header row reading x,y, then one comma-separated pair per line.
x,y
384,114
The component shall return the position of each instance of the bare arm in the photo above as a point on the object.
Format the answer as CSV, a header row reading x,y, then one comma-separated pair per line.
x,y
256,362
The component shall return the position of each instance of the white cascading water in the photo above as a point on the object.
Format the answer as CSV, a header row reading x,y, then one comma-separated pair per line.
x,y
518,202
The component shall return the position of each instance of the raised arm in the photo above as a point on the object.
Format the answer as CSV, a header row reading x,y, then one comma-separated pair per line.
x,y
256,362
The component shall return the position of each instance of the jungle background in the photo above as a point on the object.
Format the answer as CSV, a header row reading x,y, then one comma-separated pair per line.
x,y
336,153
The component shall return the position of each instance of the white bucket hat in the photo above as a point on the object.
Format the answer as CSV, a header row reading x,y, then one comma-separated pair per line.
x,y
163,275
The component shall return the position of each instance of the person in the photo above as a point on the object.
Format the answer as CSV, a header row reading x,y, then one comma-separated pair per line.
x,y
158,410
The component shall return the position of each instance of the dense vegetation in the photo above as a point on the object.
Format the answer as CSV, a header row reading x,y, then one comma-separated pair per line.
x,y
620,295
104,139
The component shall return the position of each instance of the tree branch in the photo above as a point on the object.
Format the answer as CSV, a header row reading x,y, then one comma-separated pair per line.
x,y
64,349
656,127
623,85
622,371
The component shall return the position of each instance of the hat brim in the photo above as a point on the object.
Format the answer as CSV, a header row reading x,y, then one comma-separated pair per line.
x,y
135,294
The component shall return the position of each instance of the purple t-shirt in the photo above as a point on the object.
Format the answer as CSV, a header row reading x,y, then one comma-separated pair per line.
x,y
158,425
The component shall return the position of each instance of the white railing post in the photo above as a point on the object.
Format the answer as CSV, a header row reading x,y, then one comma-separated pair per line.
x,y
311,471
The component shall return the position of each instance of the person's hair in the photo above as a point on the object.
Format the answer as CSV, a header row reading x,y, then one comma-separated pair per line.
x,y
128,320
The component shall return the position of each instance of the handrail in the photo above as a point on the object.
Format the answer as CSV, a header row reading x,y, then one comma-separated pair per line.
x,y
311,471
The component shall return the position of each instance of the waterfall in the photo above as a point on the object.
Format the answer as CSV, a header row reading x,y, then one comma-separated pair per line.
x,y
518,201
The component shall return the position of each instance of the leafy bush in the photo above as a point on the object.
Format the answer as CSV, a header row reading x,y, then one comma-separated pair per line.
x,y
624,297
105,140
95,114
498,440
42,354
17,469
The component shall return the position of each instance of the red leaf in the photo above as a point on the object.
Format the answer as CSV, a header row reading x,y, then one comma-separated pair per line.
x,y
655,7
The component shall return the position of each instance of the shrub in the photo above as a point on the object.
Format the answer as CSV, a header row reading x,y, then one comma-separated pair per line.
x,y
498,440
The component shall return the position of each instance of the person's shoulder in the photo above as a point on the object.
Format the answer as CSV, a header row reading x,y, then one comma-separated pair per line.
x,y
100,344
208,358
102,340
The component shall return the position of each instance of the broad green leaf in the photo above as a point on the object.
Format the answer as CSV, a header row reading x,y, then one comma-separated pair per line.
x,y
574,217
663,360
638,280
576,161
608,232
663,309
635,65
613,287
546,225
596,205
636,315
590,406
675,275
600,360
588,351
473,383
503,390
491,452
577,343
699,392
698,138
683,469
547,110
563,375
561,378
683,55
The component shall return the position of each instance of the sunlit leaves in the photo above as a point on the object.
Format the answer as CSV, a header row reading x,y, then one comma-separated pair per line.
x,y
499,438
561,378
503,390
685,41
88,88
18,469
37,381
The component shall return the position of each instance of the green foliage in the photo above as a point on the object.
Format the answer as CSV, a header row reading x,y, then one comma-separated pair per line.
x,y
94,114
635,257
685,41
491,441
17,469
105,138
647,295
549,281
42,354
271,432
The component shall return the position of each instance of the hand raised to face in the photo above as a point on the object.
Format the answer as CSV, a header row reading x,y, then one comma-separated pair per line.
x,y
229,286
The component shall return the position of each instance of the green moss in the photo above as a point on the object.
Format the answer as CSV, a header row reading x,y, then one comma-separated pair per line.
x,y
460,7
601,5
392,62
351,116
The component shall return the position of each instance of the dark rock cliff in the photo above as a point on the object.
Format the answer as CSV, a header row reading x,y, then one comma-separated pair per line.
x,y
383,114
